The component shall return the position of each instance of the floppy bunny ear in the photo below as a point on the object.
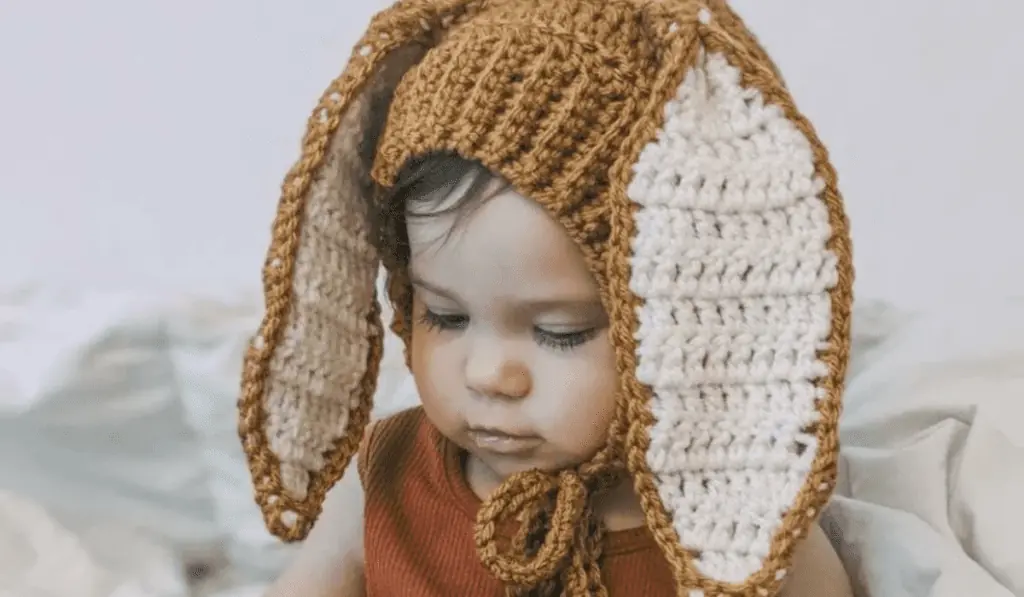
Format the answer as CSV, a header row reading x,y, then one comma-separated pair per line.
x,y
740,267
311,371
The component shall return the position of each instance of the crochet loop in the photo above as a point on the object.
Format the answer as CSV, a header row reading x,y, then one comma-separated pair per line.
x,y
519,498
558,544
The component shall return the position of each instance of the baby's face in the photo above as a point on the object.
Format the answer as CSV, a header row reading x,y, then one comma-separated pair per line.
x,y
510,347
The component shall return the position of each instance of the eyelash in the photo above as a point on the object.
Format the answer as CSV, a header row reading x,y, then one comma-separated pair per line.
x,y
569,341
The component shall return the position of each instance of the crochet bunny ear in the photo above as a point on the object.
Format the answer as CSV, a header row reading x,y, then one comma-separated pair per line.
x,y
311,371
741,277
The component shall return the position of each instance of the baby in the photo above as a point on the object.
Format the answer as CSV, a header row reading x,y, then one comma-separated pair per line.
x,y
619,264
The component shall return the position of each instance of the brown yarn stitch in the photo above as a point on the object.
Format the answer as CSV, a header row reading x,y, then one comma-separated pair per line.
x,y
555,83
560,97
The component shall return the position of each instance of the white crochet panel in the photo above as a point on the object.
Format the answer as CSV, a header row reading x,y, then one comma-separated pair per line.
x,y
320,358
731,266
322,354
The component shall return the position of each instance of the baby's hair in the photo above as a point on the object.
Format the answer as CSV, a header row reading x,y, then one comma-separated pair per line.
x,y
422,186
425,187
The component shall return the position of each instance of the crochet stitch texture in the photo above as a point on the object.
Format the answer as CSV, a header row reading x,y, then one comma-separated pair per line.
x,y
663,139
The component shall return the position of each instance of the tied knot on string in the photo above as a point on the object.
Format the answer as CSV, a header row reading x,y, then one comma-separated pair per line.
x,y
556,549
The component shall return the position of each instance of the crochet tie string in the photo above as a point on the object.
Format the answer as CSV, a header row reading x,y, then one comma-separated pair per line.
x,y
558,542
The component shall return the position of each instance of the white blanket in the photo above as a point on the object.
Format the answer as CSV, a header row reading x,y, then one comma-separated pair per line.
x,y
931,497
39,557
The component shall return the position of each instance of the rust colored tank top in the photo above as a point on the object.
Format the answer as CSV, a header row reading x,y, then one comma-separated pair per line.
x,y
419,523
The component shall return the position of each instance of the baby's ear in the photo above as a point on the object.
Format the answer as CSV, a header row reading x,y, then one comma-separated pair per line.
x,y
311,372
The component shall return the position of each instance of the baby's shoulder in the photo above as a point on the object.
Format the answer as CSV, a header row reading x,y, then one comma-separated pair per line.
x,y
402,425
390,441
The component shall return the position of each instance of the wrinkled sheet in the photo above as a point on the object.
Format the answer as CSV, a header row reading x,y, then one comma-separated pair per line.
x,y
40,557
931,495
118,422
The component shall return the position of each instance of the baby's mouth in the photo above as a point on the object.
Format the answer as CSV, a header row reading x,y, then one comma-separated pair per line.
x,y
503,442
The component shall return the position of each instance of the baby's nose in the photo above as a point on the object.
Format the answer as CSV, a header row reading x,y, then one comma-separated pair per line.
x,y
491,372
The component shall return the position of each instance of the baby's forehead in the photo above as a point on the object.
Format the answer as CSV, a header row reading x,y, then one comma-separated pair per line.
x,y
507,239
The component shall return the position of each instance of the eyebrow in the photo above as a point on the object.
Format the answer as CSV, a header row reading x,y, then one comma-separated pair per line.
x,y
538,303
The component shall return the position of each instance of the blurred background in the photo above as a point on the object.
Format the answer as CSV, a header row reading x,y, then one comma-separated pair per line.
x,y
142,143
141,149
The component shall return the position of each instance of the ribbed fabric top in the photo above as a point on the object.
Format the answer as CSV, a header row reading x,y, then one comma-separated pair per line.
x,y
420,517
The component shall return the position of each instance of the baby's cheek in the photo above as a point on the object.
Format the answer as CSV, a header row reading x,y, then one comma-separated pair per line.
x,y
577,416
427,365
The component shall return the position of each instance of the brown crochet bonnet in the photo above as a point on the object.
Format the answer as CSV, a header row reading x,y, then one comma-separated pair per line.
x,y
662,137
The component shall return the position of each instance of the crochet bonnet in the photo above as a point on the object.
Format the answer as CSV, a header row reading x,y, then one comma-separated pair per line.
x,y
664,140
